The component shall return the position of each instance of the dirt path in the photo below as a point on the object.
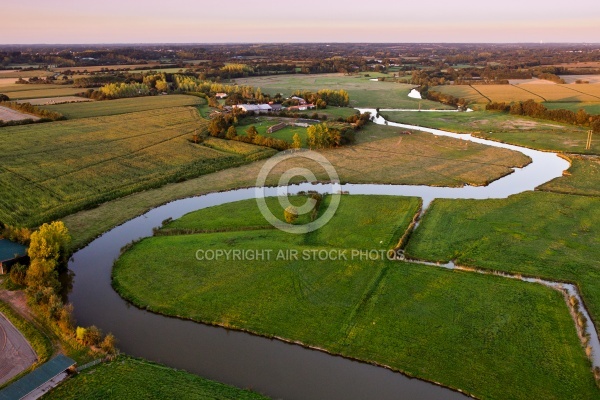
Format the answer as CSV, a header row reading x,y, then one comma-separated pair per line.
x,y
16,355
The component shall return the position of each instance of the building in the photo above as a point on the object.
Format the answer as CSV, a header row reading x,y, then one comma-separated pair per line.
x,y
302,107
301,101
221,95
10,254
256,108
40,380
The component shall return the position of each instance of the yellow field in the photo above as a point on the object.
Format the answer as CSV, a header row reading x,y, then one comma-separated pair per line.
x,y
568,93
23,74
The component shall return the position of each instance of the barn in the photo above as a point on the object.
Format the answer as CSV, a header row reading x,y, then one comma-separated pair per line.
x,y
10,254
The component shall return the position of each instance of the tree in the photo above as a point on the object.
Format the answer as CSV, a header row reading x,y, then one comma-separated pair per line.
x,y
290,214
18,273
231,133
49,242
251,133
41,274
4,97
108,345
297,142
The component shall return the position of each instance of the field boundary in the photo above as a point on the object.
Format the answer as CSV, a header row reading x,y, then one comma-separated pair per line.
x,y
528,91
481,94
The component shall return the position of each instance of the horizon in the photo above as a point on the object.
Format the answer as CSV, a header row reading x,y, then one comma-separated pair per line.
x,y
35,22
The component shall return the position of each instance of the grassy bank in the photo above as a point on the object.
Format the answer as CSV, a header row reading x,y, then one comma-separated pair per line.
x,y
522,131
549,235
130,378
583,178
412,318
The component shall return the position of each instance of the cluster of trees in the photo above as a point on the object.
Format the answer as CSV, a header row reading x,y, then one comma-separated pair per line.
x,y
325,97
156,81
224,126
323,136
531,108
550,77
121,90
47,253
444,98
96,80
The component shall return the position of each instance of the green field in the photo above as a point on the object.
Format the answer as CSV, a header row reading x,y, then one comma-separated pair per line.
x,y
523,131
412,318
54,169
362,91
130,378
123,106
554,236
583,178
590,108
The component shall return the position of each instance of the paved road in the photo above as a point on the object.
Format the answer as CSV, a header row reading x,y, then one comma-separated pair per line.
x,y
16,355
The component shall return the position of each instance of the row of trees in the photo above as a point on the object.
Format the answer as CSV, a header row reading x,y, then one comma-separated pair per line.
x,y
48,249
531,108
325,97
43,114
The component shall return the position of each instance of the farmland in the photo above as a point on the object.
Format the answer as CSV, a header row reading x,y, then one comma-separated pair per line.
x,y
134,379
551,93
51,170
363,92
24,92
523,131
414,159
549,235
55,100
123,106
351,307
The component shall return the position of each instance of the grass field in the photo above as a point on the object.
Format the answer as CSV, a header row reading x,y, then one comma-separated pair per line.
x,y
550,235
123,106
363,92
583,178
24,74
523,131
412,318
419,158
130,378
590,108
52,170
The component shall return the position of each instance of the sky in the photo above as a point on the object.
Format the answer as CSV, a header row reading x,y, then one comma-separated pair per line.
x,y
235,21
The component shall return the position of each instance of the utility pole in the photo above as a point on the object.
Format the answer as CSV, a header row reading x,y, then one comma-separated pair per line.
x,y
588,144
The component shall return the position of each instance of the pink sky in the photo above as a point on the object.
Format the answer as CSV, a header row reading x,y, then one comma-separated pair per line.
x,y
186,21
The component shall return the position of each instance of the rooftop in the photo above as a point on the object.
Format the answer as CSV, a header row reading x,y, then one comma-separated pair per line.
x,y
8,250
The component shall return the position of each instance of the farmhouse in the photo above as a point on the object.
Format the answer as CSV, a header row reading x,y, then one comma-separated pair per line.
x,y
221,95
301,101
10,254
302,107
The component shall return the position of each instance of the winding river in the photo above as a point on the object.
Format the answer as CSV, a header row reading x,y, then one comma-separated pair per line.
x,y
272,367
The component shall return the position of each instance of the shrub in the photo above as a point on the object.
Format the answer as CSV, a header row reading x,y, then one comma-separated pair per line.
x,y
290,214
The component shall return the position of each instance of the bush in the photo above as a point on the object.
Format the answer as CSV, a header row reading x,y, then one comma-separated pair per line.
x,y
18,273
290,214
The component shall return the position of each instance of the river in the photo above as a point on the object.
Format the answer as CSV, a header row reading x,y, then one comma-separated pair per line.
x,y
272,367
